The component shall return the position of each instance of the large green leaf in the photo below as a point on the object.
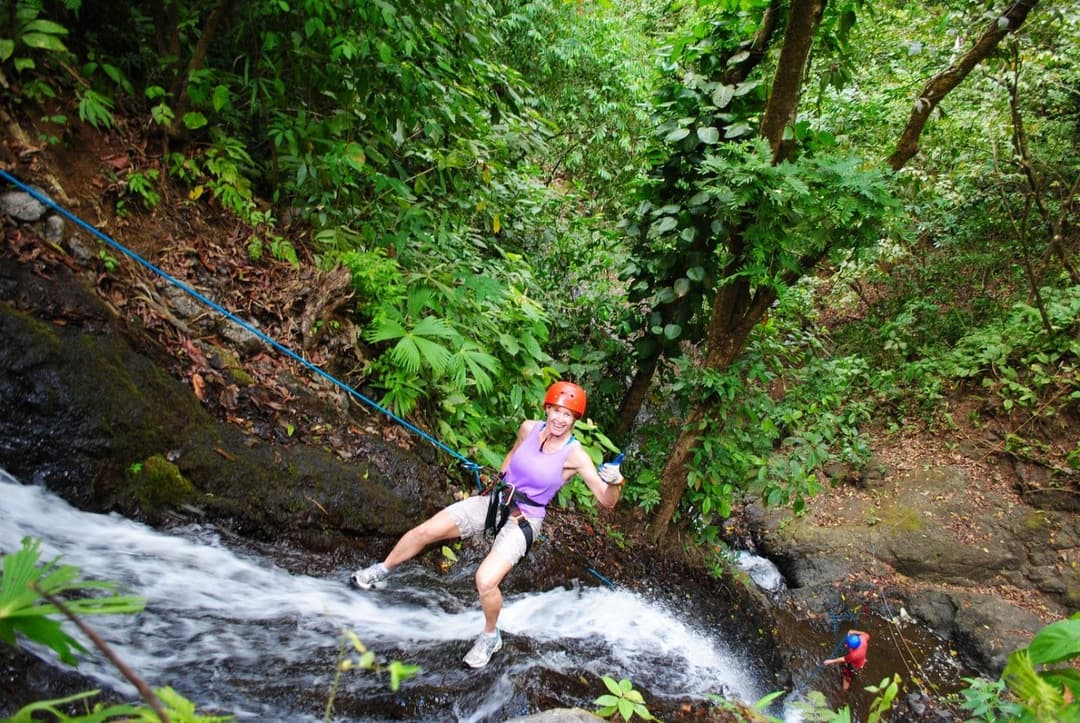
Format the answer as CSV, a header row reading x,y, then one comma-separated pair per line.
x,y
1056,642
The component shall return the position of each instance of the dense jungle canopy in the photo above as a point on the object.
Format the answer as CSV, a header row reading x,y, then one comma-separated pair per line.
x,y
756,231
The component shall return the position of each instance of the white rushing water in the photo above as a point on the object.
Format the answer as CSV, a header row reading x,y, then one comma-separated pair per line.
x,y
224,626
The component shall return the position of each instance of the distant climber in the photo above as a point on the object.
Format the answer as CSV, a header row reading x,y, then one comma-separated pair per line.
x,y
854,659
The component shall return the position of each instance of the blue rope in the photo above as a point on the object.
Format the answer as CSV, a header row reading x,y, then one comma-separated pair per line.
x,y
470,465
602,579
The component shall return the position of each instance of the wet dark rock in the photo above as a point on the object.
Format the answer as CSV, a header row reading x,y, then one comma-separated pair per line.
x,y
936,608
84,409
558,715
986,629
21,206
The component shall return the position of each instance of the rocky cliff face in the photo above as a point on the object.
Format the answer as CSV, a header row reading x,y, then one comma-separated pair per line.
x,y
89,414
955,543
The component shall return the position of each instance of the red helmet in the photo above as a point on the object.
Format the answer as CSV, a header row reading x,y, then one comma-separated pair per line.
x,y
569,395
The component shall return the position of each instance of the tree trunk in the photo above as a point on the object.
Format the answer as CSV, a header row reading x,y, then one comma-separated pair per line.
x,y
198,57
737,308
734,316
730,324
634,398
794,60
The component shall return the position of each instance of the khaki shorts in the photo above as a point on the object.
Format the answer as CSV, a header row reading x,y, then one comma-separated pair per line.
x,y
470,514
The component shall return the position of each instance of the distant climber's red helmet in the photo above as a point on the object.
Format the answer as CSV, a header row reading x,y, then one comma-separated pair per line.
x,y
569,395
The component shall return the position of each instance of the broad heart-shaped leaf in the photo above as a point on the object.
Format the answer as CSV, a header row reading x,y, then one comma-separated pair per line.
x,y
1056,642
666,223
722,96
708,135
677,135
194,120
44,41
40,25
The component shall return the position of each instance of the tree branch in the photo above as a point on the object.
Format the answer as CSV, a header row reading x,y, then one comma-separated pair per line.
x,y
791,69
139,683
758,46
942,83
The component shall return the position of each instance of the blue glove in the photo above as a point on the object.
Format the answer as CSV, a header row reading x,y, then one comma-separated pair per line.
x,y
609,471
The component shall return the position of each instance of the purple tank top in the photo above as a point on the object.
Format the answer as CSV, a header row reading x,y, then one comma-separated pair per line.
x,y
537,474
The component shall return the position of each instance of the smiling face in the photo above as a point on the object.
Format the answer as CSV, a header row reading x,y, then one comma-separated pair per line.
x,y
560,420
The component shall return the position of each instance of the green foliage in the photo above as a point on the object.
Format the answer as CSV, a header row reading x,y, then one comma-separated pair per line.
x,y
25,34
142,185
177,707
622,699
24,610
583,62
1018,359
597,445
95,108
1041,675
814,707
787,407
987,701
884,694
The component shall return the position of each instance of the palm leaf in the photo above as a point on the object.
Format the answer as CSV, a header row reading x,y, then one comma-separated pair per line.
x,y
385,329
413,351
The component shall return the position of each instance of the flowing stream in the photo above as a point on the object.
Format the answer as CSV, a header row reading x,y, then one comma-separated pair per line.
x,y
234,631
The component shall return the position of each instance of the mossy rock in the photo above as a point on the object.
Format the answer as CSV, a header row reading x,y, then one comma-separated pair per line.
x,y
902,519
157,485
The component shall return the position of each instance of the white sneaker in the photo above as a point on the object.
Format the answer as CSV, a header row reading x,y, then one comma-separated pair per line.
x,y
485,646
369,577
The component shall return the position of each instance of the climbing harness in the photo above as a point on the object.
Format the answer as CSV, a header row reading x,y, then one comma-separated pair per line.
x,y
502,505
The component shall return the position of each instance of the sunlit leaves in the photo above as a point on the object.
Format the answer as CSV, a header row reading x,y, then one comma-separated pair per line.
x,y
723,95
1056,642
622,699
677,135
25,611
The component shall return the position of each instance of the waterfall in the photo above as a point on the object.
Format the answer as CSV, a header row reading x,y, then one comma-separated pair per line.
x,y
233,631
